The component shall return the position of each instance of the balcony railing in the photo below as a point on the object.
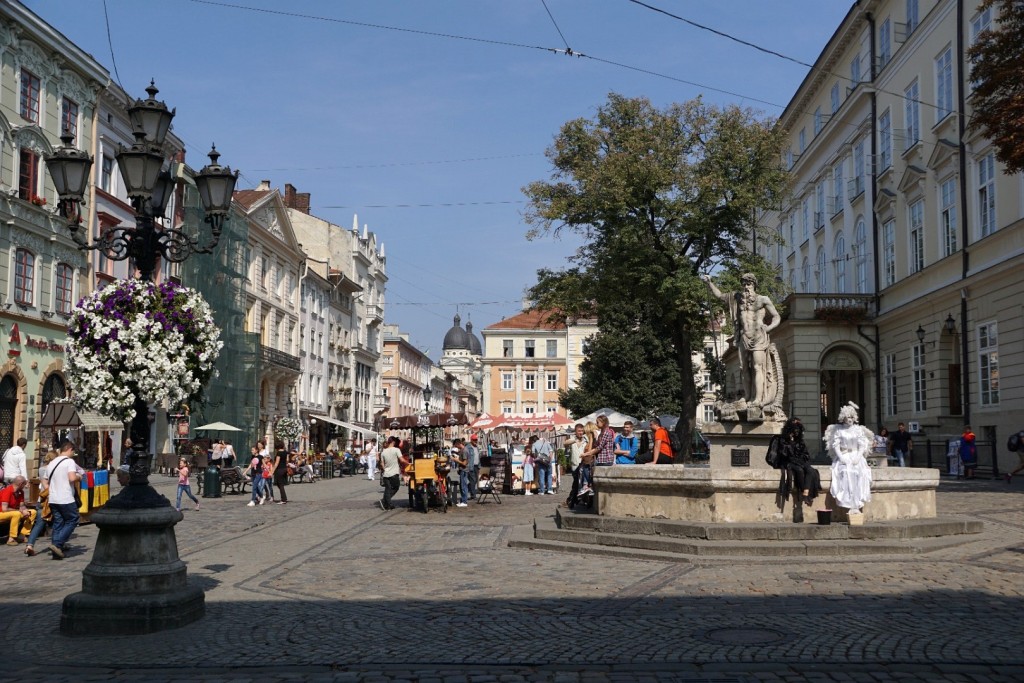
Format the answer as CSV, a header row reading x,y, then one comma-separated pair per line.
x,y
838,308
374,313
279,358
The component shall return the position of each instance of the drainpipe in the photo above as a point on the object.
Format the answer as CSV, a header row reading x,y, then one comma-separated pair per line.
x,y
874,223
964,233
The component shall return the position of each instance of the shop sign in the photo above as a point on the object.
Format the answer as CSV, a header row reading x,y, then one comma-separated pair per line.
x,y
37,343
15,338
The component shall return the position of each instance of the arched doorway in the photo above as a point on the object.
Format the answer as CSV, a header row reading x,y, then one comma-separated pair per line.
x,y
842,381
8,406
54,389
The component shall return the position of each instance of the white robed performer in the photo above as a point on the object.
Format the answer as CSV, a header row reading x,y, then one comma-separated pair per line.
x,y
849,444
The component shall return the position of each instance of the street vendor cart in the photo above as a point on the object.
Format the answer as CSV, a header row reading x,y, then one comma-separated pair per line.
x,y
429,469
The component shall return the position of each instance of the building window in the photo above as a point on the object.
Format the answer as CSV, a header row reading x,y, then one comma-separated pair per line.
x,y
805,273
787,158
802,140
912,115
530,381
860,253
792,230
805,217
917,236
819,271
531,348
840,263
884,43
987,194
65,288
552,348
988,363
529,410
819,205
947,215
944,85
28,174
981,21
506,348
834,98
855,71
884,140
24,276
857,182
709,413
889,251
837,188
106,173
912,16
506,410
891,404
69,117
30,89
264,271
552,381
920,380
817,120
708,387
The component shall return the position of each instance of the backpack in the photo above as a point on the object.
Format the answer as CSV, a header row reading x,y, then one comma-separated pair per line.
x,y
1014,442
676,443
774,448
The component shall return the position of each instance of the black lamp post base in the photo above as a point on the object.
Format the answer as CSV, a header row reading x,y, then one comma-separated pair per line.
x,y
135,582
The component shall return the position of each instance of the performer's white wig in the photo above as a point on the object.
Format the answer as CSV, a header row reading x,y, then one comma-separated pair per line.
x,y
849,411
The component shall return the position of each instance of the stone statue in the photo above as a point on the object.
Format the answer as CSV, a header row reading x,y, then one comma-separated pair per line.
x,y
849,444
753,317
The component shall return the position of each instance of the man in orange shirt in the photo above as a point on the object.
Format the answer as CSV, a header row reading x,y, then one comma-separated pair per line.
x,y
662,453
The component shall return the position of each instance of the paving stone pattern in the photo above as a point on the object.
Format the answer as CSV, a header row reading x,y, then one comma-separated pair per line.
x,y
331,588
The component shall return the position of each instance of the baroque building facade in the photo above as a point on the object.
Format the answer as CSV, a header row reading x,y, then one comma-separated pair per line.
x,y
47,85
902,239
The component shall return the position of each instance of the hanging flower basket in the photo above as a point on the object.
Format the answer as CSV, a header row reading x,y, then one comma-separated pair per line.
x,y
137,339
288,429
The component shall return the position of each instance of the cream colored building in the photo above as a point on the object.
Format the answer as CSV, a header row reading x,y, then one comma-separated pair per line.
x,y
903,238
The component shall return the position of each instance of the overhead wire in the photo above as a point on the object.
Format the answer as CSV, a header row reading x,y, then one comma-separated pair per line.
x,y
399,163
110,43
552,16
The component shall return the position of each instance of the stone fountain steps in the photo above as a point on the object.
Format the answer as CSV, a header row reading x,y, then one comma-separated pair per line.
x,y
669,540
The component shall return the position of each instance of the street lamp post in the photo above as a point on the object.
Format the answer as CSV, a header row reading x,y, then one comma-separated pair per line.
x,y
426,399
136,583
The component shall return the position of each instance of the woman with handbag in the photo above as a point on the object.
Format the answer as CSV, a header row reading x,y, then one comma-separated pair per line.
x,y
281,470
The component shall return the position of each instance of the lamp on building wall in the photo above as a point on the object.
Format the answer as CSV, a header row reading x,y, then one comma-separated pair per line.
x,y
136,527
289,405
950,324
920,336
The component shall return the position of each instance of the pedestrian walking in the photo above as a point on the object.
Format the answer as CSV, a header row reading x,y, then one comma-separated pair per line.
x,y
61,477
390,459
256,475
968,452
184,485
371,459
281,470
901,444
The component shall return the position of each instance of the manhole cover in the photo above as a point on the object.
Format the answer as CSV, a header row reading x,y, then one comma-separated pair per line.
x,y
744,636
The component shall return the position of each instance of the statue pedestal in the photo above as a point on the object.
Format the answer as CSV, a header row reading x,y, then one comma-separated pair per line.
x,y
740,444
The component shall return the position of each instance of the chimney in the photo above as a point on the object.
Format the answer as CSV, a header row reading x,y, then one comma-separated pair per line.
x,y
264,186
296,200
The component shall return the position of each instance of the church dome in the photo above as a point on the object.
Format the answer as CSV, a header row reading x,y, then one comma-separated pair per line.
x,y
475,347
456,338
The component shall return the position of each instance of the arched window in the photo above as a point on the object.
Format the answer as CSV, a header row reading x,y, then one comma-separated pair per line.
x,y
24,276
53,389
860,255
65,289
820,273
805,273
840,261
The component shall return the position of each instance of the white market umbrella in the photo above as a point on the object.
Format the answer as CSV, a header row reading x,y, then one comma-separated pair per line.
x,y
218,427
615,418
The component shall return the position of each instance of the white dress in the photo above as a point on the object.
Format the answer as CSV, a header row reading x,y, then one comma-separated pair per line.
x,y
851,476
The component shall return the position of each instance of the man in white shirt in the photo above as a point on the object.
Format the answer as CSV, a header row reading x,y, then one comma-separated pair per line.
x,y
392,472
14,461
61,475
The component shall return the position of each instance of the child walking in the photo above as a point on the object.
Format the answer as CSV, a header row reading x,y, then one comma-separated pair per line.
x,y
184,486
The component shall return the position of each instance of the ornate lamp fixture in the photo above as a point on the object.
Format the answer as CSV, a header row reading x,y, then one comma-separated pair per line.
x,y
149,187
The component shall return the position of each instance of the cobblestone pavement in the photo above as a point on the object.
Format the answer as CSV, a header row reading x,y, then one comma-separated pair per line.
x,y
331,588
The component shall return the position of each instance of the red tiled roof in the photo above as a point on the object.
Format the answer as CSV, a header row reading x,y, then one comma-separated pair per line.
x,y
249,197
528,320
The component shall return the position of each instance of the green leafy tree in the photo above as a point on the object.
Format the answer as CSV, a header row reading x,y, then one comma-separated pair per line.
x,y
660,196
997,70
626,367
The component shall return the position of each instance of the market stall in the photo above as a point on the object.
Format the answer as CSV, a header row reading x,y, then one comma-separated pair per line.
x,y
428,472
93,435
507,458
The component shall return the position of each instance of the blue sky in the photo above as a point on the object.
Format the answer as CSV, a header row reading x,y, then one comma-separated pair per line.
x,y
368,119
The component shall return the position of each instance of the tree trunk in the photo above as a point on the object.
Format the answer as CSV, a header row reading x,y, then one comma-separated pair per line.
x,y
688,401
